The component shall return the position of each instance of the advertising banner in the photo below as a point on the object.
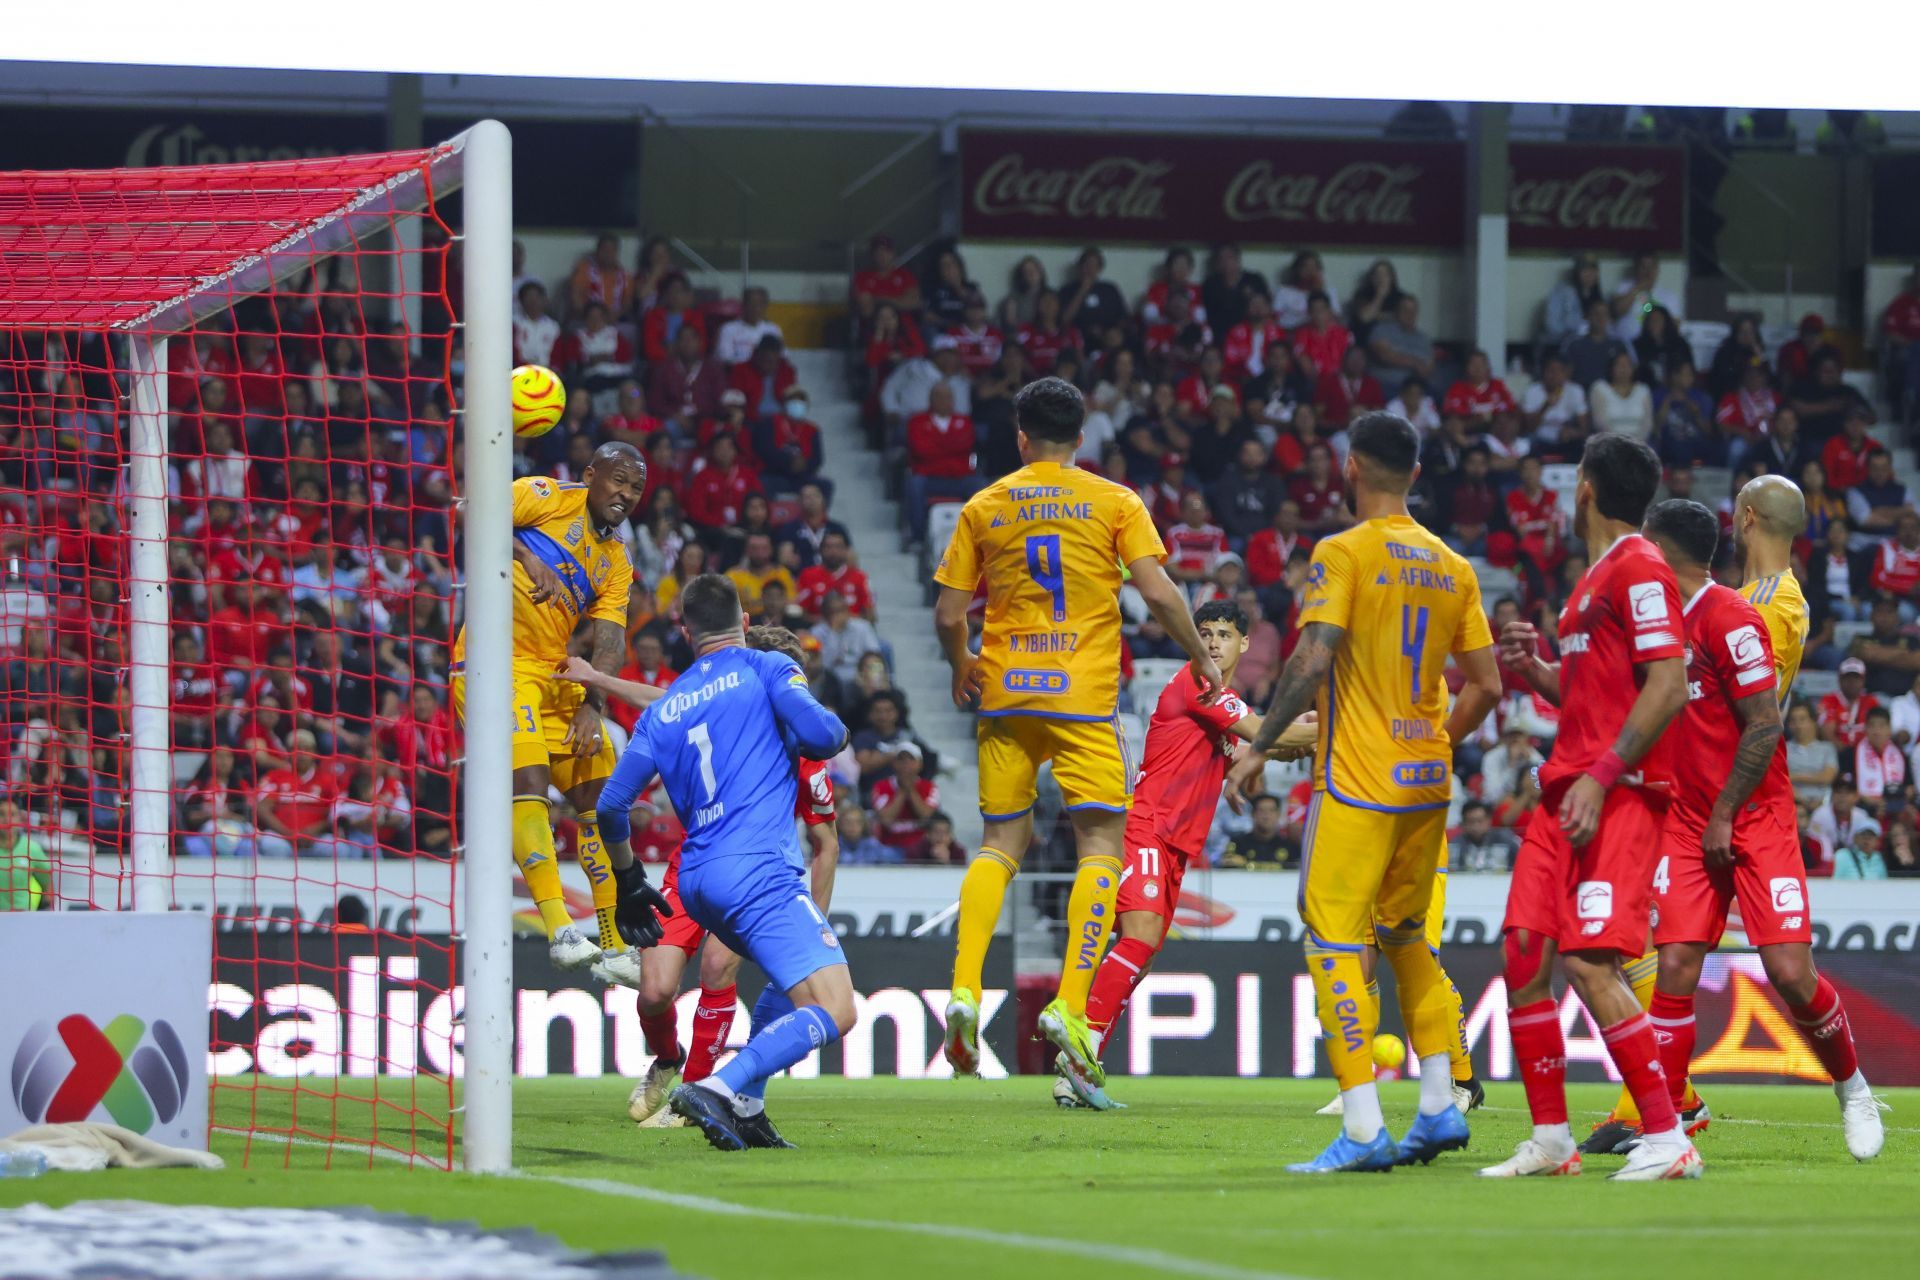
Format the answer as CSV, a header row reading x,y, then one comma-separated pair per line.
x,y
359,1005
105,1019
1163,188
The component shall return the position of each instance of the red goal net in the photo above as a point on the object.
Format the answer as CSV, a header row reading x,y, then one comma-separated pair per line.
x,y
227,462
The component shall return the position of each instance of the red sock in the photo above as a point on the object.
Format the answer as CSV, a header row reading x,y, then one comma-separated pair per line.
x,y
712,1019
1542,1051
1823,1021
1637,1054
1113,983
1673,1029
662,1031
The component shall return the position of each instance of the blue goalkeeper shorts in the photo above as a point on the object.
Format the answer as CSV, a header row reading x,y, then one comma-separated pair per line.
x,y
759,906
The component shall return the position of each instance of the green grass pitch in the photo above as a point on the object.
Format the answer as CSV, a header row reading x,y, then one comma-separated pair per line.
x,y
972,1179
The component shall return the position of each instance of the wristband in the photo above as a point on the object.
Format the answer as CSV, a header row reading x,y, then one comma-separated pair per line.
x,y
1607,770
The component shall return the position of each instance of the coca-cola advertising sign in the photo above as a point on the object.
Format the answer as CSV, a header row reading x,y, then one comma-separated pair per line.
x,y
1156,188
1567,196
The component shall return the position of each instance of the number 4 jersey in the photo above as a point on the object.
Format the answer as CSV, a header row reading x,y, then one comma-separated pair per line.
x,y
1406,601
1050,541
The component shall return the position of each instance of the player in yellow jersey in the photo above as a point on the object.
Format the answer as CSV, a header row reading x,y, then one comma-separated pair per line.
x,y
1386,604
1769,513
568,564
1050,540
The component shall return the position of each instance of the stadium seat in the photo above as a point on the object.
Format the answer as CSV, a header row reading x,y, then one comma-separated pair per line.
x,y
1845,633
1705,337
1495,581
942,519
185,765
1816,684
1134,729
1150,676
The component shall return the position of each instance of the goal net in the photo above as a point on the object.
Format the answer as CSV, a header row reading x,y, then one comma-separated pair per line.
x,y
231,446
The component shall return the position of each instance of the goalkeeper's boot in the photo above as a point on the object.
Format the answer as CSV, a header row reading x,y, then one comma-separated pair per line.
x,y
1608,1137
1667,1158
619,968
650,1096
1083,1094
1344,1155
1860,1117
1070,1034
1532,1158
1338,1107
711,1114
759,1131
963,1032
570,949
1431,1135
1469,1094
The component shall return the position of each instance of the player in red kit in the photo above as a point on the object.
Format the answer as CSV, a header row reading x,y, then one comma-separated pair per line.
x,y
1582,882
1189,743
1731,831
666,963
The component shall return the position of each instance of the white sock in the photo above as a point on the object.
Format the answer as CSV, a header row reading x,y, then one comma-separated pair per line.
x,y
1362,1115
746,1107
714,1084
1436,1083
1855,1083
1554,1137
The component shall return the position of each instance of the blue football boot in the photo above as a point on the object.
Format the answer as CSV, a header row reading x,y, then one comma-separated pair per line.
x,y
1431,1135
1344,1155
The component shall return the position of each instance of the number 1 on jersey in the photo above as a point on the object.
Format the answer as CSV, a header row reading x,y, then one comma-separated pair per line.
x,y
703,743
1413,640
1043,565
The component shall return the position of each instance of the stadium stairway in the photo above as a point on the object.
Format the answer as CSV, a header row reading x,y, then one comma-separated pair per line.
x,y
860,502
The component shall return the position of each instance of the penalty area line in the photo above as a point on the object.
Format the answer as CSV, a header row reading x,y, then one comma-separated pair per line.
x,y
1167,1263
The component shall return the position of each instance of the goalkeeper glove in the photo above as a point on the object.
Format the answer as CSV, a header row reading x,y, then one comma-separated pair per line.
x,y
638,906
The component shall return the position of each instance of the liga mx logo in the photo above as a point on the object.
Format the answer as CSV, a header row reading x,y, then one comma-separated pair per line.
x,y
135,1071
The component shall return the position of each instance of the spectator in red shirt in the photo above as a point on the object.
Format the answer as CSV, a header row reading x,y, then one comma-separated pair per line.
x,y
1047,336
1845,456
1269,550
1195,544
1843,715
764,379
261,379
1173,344
688,386
1533,513
1348,390
788,446
835,574
596,356
1900,341
1472,504
1318,491
1745,413
599,277
980,343
647,666
904,801
1896,565
1245,347
719,490
194,688
940,457
1323,342
295,806
893,340
662,326
630,423
884,280
1479,395
1193,399
1175,279
1799,354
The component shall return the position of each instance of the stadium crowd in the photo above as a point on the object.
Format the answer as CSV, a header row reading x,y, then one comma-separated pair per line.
x,y
313,534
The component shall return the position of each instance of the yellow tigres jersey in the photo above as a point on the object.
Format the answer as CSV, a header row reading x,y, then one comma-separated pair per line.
x,y
1406,601
1780,603
550,519
1050,542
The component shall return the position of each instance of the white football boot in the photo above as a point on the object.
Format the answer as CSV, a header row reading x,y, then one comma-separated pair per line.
x,y
619,968
1860,1114
1666,1158
1532,1158
570,949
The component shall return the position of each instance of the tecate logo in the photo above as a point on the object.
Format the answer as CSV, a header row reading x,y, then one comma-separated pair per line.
x,y
1362,194
1615,199
1111,187
136,1071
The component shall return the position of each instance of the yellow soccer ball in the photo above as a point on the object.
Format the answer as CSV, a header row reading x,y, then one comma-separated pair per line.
x,y
1389,1053
539,401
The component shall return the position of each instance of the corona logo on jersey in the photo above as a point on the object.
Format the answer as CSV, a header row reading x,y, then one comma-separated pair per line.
x,y
137,1073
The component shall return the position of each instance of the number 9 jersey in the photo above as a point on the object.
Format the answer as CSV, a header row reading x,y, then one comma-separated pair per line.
x,y
1406,601
1050,541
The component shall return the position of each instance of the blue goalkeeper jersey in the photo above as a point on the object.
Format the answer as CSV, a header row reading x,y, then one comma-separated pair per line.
x,y
724,739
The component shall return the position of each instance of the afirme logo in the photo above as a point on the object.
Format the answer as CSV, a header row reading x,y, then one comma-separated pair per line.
x,y
63,1070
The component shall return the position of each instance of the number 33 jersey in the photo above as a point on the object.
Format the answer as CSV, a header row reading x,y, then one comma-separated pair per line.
x,y
1406,601
1050,542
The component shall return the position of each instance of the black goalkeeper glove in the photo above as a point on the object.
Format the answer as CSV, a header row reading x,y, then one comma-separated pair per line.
x,y
638,907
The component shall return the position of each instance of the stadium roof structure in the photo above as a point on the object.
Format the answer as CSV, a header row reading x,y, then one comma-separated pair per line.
x,y
159,249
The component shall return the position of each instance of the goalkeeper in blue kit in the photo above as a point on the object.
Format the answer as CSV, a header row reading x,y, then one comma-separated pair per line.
x,y
723,738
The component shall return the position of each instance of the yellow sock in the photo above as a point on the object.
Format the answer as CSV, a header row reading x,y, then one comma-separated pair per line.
x,y
1431,1018
1458,1059
599,869
1640,974
1348,1017
1096,883
982,891
533,850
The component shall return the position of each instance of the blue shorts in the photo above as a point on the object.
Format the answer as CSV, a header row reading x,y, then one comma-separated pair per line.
x,y
759,906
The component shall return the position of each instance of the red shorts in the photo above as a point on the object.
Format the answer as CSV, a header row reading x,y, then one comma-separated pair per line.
x,y
1592,898
680,930
1690,899
1150,880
